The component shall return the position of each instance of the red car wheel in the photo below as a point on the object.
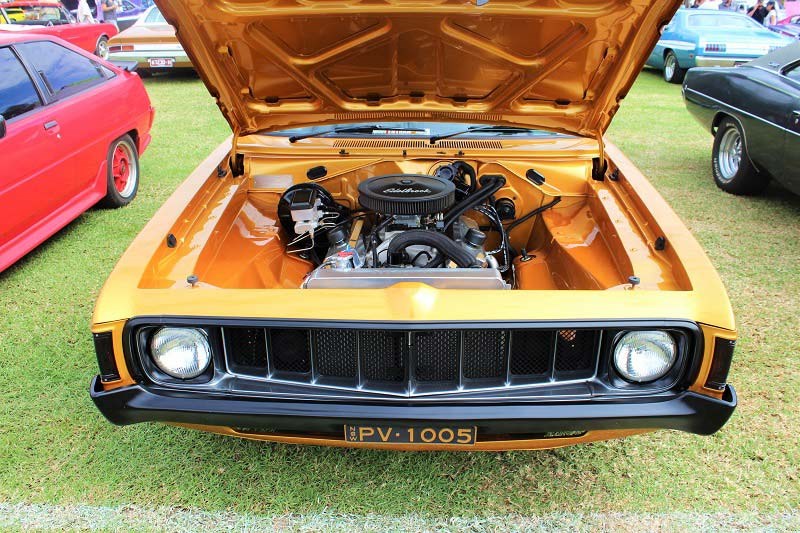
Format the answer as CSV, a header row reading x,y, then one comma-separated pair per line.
x,y
123,172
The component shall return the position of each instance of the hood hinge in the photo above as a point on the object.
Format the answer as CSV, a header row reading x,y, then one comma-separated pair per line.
x,y
599,165
236,160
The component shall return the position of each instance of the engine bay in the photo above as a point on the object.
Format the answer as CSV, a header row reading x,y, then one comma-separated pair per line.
x,y
376,222
407,227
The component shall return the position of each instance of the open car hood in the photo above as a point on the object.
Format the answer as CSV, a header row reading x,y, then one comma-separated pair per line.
x,y
562,65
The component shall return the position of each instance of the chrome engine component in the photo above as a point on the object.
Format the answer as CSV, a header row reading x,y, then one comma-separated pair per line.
x,y
381,278
412,230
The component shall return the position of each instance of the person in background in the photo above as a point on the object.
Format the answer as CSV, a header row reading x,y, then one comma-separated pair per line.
x,y
772,14
110,11
727,5
85,13
758,12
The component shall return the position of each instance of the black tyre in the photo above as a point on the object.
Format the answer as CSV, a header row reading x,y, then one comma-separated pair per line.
x,y
673,73
122,173
102,47
731,166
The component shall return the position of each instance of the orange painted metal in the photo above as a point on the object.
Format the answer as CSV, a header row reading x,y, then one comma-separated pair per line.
x,y
494,445
560,65
557,64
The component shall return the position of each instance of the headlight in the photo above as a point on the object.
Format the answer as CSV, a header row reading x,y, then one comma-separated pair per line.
x,y
182,353
643,356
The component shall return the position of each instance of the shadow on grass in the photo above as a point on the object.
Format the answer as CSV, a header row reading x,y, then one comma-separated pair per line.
x,y
170,77
256,476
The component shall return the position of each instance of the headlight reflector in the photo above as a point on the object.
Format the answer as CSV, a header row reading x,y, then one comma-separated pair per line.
x,y
642,356
182,353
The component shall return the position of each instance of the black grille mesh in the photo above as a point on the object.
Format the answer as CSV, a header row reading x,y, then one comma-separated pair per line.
x,y
485,353
437,355
247,350
382,355
531,352
290,350
575,350
335,352
443,359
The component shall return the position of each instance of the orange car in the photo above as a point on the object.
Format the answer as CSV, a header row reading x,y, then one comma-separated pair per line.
x,y
151,44
417,238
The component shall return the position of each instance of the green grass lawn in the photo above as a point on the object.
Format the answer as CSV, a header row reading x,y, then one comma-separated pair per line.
x,y
56,447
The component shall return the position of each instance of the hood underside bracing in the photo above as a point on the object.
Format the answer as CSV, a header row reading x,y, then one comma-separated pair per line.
x,y
555,64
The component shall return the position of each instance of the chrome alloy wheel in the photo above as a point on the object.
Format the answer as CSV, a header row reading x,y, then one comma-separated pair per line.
x,y
670,63
730,154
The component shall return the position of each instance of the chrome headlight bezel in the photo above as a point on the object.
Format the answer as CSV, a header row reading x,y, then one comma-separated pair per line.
x,y
156,370
671,372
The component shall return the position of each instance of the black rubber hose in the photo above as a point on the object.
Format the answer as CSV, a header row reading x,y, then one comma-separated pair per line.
x,y
444,245
532,213
489,185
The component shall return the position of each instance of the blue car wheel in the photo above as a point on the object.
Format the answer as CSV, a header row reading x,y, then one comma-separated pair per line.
x,y
673,73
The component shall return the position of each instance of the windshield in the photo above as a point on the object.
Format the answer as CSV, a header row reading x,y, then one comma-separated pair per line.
x,y
723,21
412,129
154,16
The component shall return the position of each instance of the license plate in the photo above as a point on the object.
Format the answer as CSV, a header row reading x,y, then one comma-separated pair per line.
x,y
161,62
395,434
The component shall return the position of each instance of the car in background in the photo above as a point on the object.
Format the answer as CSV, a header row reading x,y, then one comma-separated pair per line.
x,y
708,38
130,13
753,111
52,18
151,44
72,127
790,27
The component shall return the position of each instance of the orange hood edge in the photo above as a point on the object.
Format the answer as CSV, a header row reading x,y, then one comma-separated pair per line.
x,y
560,65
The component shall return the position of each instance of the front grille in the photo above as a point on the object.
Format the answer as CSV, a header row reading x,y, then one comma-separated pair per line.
x,y
412,362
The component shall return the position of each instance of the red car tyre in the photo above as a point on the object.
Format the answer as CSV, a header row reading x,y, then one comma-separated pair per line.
x,y
122,173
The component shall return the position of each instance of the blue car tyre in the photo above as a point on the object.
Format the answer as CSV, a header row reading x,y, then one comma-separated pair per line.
x,y
731,166
673,73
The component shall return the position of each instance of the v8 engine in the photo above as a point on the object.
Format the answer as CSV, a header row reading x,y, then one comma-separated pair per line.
x,y
409,228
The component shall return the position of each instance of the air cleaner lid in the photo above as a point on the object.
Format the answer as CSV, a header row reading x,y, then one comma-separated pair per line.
x,y
406,194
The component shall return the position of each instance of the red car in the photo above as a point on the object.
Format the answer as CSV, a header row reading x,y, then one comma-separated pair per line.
x,y
72,127
52,18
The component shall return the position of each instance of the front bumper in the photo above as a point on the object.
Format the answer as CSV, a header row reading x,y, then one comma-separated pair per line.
x,y
711,61
686,411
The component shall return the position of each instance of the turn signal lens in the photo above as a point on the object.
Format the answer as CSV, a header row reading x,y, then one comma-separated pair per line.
x,y
643,356
182,353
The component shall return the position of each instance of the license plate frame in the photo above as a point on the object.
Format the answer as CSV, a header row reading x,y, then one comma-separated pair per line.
x,y
405,434
161,62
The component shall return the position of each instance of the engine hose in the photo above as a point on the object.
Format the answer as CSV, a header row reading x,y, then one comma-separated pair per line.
x,y
490,184
445,246
532,213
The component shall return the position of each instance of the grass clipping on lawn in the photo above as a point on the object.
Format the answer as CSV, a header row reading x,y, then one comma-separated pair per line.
x,y
58,449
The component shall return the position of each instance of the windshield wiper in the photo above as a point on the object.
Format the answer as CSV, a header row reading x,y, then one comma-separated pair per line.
x,y
366,130
474,129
